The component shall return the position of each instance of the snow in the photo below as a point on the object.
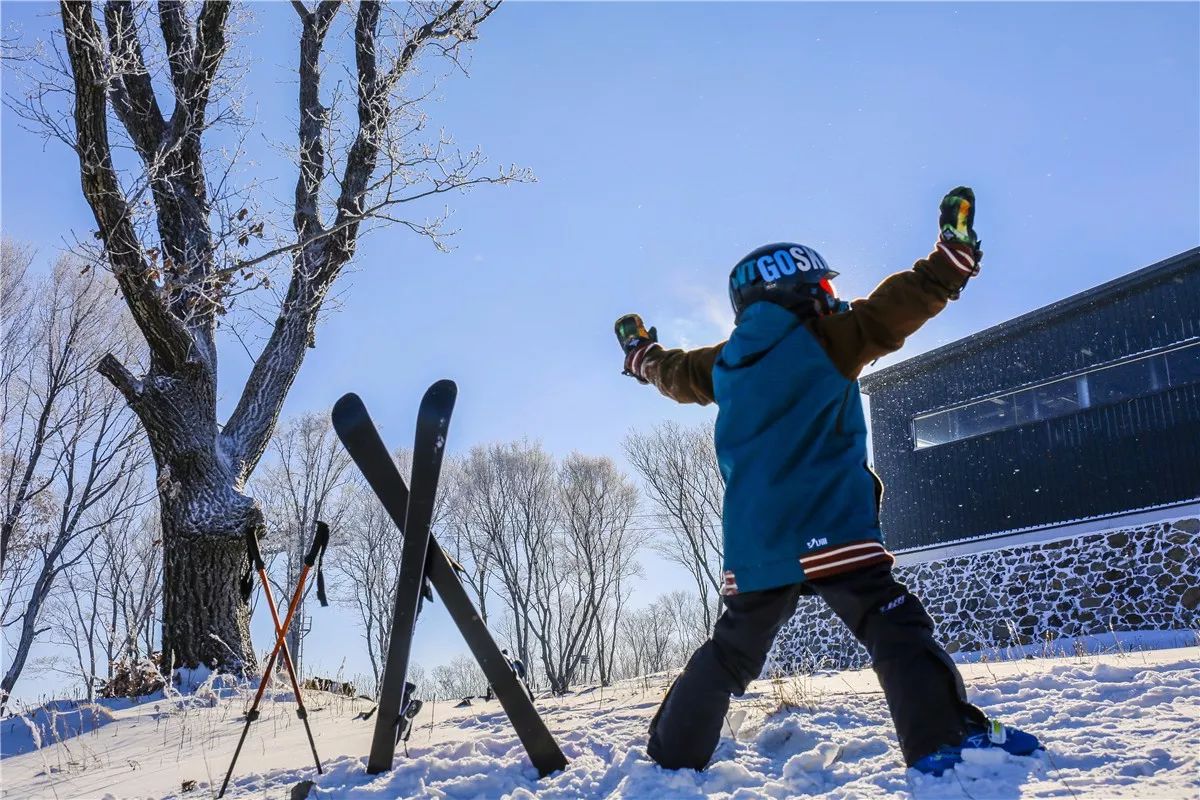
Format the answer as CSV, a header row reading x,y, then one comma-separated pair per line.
x,y
1117,724
54,721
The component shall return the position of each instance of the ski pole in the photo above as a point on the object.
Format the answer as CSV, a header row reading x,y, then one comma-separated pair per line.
x,y
318,546
319,542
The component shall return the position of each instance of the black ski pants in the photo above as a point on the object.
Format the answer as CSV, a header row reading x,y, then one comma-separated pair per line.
x,y
923,687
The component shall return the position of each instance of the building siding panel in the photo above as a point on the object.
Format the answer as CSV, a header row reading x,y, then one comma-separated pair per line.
x,y
1133,454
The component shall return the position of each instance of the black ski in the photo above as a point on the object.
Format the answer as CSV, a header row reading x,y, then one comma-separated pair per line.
x,y
357,432
433,423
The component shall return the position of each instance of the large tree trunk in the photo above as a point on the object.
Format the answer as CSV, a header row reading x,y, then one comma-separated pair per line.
x,y
205,620
205,517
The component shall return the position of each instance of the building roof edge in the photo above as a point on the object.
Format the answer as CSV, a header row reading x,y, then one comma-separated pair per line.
x,y
889,375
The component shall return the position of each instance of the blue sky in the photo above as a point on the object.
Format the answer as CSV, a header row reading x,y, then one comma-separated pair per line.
x,y
670,139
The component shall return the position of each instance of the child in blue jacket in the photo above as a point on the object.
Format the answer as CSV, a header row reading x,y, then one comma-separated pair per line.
x,y
801,510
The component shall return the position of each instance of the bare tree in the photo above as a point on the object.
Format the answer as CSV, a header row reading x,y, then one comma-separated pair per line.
x,y
684,613
365,556
133,589
558,547
679,468
461,677
16,348
301,485
111,597
178,237
422,682
509,502
76,456
24,430
645,641
366,564
660,636
460,534
592,553
75,616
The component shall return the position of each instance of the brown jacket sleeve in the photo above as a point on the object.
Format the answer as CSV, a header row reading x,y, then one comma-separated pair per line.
x,y
879,324
685,376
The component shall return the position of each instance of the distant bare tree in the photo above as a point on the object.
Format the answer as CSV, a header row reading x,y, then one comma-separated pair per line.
x,y
592,555
365,555
659,637
75,616
462,536
134,589
645,641
111,599
303,484
679,468
459,678
509,499
557,547
420,679
146,84
73,453
16,348
365,566
684,613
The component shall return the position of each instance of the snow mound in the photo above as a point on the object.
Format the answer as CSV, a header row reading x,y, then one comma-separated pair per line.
x,y
838,742
54,722
1116,726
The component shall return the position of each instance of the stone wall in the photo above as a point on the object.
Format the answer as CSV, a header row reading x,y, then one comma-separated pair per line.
x,y
1120,580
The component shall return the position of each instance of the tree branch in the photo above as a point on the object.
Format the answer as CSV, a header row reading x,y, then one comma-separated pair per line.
x,y
120,377
320,255
313,117
193,85
165,334
172,19
132,92
210,48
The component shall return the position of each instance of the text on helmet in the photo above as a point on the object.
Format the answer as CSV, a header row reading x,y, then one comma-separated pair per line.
x,y
772,266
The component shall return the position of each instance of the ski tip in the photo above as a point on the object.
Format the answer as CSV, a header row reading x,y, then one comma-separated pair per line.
x,y
444,389
348,404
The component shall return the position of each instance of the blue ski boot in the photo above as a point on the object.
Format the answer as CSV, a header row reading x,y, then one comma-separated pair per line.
x,y
1011,740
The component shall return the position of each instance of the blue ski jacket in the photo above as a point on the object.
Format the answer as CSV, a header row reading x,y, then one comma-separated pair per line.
x,y
801,502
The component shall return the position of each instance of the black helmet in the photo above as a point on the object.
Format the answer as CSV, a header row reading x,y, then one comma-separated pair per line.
x,y
787,274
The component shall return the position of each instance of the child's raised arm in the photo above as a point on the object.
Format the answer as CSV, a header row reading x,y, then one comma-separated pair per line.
x,y
685,376
880,323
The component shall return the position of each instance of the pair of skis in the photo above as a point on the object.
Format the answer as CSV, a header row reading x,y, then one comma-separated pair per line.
x,y
423,559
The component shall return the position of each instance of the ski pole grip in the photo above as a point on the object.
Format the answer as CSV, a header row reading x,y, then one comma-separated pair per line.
x,y
320,542
252,547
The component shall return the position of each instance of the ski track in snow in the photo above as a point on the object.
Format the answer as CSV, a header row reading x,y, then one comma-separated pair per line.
x,y
1123,725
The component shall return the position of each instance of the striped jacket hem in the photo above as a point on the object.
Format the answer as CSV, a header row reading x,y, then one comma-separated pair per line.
x,y
844,558
823,563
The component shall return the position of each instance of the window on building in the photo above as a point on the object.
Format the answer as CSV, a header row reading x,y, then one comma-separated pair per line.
x,y
1102,386
983,417
1183,365
1132,379
1059,398
932,429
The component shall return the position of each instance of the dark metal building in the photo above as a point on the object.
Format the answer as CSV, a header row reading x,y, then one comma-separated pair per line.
x,y
1087,408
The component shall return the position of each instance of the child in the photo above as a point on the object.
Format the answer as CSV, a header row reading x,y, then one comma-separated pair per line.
x,y
801,511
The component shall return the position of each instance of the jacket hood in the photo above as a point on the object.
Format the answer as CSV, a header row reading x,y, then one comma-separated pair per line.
x,y
761,327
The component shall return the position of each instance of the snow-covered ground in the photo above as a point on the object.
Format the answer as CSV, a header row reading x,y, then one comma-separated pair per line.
x,y
1121,724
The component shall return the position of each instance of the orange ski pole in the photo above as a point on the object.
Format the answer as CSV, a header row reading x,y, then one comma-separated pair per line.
x,y
320,541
